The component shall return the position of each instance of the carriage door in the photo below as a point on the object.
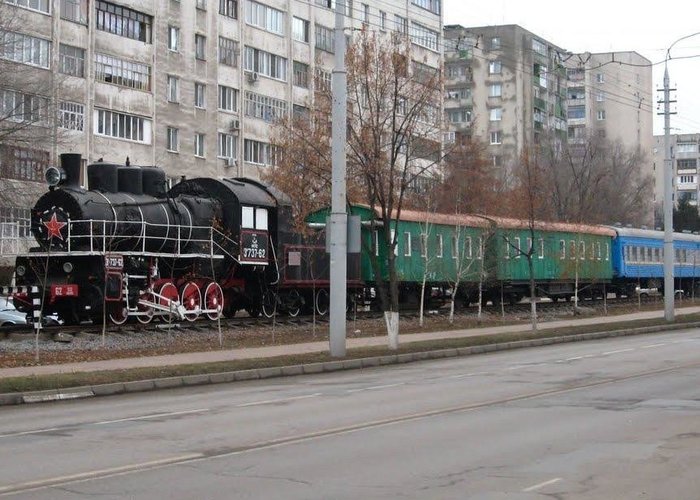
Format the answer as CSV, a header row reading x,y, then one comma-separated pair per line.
x,y
254,236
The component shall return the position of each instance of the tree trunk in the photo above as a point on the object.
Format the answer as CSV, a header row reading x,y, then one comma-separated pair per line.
x,y
391,318
422,301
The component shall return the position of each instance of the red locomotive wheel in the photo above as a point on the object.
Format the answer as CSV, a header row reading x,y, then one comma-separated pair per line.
x,y
191,299
214,300
147,311
168,298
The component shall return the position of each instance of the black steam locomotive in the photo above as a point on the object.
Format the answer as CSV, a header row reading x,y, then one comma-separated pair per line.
x,y
129,247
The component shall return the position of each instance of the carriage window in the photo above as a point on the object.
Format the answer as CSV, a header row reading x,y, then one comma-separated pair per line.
x,y
582,250
439,246
517,247
261,218
479,250
528,246
607,251
248,217
423,245
469,247
541,254
407,244
376,242
455,246
598,250
562,249
572,250
507,249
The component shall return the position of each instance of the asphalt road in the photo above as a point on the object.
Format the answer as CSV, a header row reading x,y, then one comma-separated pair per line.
x,y
612,419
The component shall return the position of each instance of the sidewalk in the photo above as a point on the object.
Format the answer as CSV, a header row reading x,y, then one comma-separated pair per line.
x,y
315,347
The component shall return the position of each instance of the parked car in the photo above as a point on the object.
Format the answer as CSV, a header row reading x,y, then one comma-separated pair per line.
x,y
655,292
9,315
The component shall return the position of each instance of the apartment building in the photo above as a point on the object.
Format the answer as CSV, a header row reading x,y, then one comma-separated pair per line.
x,y
685,158
610,95
193,86
504,85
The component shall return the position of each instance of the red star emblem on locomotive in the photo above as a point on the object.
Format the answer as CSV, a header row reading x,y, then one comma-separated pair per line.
x,y
53,227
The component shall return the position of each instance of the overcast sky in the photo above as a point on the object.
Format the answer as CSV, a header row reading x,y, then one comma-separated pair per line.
x,y
607,26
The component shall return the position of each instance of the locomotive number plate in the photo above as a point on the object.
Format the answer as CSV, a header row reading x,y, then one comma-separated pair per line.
x,y
114,262
253,247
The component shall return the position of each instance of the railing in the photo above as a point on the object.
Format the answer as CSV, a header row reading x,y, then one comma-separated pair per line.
x,y
98,236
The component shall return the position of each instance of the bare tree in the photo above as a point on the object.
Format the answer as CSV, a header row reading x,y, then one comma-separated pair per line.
x,y
394,144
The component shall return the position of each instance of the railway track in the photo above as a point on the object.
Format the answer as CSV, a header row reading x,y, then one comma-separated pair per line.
x,y
61,333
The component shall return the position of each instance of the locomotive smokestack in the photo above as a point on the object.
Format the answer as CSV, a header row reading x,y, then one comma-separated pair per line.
x,y
71,164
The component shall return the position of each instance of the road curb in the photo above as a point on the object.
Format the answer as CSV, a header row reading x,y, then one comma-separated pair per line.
x,y
312,368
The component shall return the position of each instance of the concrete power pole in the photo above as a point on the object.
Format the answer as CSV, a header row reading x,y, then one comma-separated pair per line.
x,y
339,217
669,288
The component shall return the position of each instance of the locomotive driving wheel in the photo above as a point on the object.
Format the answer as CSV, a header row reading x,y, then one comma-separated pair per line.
x,y
191,298
322,301
118,313
168,298
146,311
269,303
214,300
294,303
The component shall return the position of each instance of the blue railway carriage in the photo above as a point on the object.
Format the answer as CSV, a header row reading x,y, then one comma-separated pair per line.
x,y
638,260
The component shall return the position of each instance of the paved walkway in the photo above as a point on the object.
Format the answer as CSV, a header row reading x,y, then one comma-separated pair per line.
x,y
315,347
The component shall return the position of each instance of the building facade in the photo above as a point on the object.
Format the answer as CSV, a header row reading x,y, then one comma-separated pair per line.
x,y
193,86
685,158
504,85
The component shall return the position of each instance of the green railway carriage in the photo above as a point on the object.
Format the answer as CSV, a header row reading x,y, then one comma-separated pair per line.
x,y
563,254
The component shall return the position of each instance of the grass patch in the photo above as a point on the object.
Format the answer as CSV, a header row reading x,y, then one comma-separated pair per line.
x,y
70,380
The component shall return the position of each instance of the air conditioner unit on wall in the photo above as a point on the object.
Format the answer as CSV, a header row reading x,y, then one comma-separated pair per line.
x,y
252,76
231,162
234,125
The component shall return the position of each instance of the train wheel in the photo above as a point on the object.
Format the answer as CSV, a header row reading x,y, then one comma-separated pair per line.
x,y
118,313
322,301
168,296
214,300
294,301
269,303
144,319
191,298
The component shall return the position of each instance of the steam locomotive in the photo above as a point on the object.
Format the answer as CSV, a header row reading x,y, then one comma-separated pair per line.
x,y
129,247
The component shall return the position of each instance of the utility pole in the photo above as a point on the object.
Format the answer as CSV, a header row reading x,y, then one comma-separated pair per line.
x,y
339,218
669,288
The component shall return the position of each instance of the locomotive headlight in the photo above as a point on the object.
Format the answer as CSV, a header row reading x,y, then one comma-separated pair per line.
x,y
67,267
20,271
55,176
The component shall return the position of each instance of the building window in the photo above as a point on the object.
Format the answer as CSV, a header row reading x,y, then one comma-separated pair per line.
x,y
25,49
687,163
322,80
265,63
172,139
431,5
462,115
173,38
116,71
495,43
259,153
71,60
199,145
201,4
262,16
423,36
17,222
200,47
576,112
71,116
600,78
38,5
601,114
228,52
173,90
459,93
300,29
200,92
301,75
382,20
686,147
23,163
495,114
325,38
365,13
495,137
600,96
228,98
20,107
75,11
495,68
495,90
122,126
266,108
229,8
123,21
227,146
401,24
